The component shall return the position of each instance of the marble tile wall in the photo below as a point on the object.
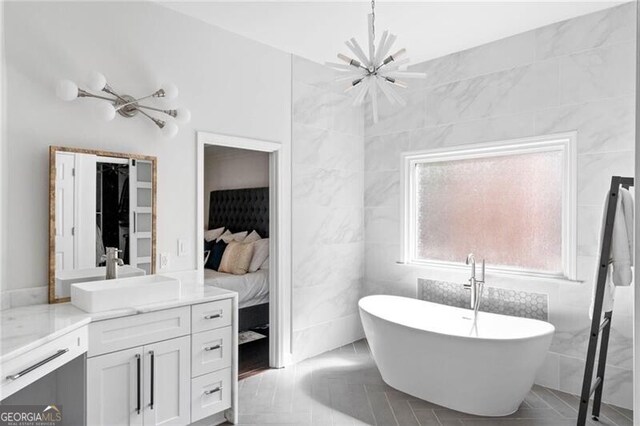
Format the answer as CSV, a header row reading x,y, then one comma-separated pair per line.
x,y
576,75
328,212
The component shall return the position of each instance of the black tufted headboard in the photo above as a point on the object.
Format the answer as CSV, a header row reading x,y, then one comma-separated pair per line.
x,y
240,210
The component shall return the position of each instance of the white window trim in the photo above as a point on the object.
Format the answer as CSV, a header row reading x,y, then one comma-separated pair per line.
x,y
563,142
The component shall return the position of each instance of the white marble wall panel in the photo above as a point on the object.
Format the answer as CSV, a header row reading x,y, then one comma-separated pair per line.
x,y
501,55
392,119
599,73
586,32
24,297
589,221
311,341
323,264
382,225
520,89
603,126
327,187
317,304
577,76
327,212
382,189
595,171
321,148
335,225
618,384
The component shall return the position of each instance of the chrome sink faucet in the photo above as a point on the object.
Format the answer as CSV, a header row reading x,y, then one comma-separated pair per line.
x,y
113,261
474,284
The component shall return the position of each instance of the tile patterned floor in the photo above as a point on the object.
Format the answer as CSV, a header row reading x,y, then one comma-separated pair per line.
x,y
344,387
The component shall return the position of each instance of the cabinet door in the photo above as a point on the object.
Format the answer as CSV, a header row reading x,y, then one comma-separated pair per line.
x,y
167,381
114,388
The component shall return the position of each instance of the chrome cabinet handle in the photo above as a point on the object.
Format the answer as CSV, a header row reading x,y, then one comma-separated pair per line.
x,y
138,384
153,377
38,364
209,392
213,348
214,316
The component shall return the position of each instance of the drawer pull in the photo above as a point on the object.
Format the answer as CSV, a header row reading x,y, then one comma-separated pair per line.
x,y
214,316
209,392
213,348
39,364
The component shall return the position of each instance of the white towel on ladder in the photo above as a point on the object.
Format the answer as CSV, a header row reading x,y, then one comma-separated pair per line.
x,y
619,272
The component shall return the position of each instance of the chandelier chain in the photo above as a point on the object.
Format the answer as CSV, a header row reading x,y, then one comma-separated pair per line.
x,y
373,19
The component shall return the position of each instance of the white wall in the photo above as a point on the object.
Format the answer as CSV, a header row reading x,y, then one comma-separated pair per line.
x,y
232,86
577,75
234,170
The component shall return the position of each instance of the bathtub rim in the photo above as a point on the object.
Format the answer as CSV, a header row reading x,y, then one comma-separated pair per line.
x,y
551,331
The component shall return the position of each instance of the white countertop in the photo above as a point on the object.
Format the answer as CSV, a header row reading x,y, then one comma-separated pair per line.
x,y
28,327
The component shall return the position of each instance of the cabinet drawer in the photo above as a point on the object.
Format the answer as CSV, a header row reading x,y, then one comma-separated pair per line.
x,y
211,350
207,316
210,394
137,330
25,369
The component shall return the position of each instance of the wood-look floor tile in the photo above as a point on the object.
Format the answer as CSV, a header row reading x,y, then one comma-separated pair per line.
x,y
403,413
361,347
426,418
381,409
280,418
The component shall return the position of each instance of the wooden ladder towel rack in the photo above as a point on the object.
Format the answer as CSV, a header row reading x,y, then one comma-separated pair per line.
x,y
600,328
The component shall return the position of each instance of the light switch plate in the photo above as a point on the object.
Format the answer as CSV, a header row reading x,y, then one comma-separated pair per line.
x,y
164,260
182,247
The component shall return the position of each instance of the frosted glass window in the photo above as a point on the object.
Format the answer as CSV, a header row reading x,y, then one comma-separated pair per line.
x,y
506,209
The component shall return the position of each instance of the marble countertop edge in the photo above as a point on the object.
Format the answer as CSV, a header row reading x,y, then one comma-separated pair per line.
x,y
23,329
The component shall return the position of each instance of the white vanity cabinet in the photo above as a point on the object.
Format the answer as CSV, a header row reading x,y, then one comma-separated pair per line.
x,y
173,366
147,385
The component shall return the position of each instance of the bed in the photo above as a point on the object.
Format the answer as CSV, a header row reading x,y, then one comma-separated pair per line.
x,y
243,210
252,288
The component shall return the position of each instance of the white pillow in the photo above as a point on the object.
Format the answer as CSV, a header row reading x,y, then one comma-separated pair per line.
x,y
238,236
226,233
213,234
253,236
265,264
260,254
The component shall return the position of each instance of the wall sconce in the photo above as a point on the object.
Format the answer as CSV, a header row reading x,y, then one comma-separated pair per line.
x,y
125,105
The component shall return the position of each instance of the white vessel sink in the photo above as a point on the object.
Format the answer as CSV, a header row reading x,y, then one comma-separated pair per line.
x,y
64,279
97,296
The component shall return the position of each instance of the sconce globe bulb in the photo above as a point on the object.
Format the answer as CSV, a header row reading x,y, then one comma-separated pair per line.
x,y
97,81
183,115
170,129
105,111
67,90
170,90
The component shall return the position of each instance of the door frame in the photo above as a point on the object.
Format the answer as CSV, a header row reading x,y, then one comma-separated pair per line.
x,y
280,297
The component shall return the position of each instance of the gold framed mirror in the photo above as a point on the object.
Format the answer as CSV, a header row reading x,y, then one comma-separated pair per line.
x,y
99,200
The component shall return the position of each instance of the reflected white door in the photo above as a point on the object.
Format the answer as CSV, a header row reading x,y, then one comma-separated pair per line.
x,y
65,217
140,214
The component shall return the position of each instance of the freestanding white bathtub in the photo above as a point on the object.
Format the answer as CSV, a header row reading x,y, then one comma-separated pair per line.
x,y
434,352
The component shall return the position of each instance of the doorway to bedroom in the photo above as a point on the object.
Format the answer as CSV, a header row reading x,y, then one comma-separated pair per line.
x,y
240,234
236,243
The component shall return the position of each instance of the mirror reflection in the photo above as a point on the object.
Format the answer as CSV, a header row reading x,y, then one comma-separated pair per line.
x,y
103,216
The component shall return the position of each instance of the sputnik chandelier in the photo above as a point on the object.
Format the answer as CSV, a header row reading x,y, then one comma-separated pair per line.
x,y
125,105
368,74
